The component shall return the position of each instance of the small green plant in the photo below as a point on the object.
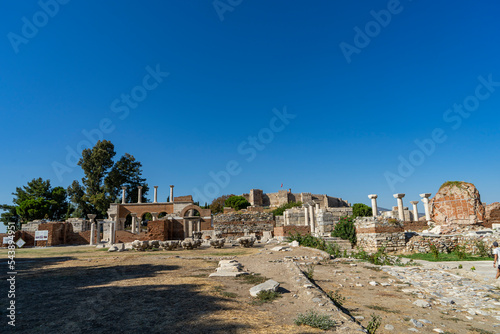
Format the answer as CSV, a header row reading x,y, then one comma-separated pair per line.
x,y
229,294
434,250
333,249
374,324
481,248
315,320
309,271
345,229
252,279
460,266
279,210
267,296
460,251
336,298
473,268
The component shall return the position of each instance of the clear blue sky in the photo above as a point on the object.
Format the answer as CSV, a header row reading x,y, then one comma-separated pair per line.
x,y
229,67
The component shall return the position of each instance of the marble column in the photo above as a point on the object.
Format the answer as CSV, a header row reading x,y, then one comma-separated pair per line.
x,y
98,241
311,217
92,216
373,197
139,194
306,216
425,200
316,206
123,194
155,215
156,195
401,212
138,226
113,228
415,210
134,219
171,194
285,217
186,229
92,234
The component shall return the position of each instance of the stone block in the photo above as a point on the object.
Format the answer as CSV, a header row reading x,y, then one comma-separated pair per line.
x,y
269,285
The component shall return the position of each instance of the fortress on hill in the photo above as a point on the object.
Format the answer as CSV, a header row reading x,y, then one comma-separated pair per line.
x,y
258,198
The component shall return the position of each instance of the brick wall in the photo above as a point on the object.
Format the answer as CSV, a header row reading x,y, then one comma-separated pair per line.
x,y
284,231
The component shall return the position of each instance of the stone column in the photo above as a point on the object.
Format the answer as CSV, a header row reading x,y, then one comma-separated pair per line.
x,y
156,195
316,206
306,216
98,241
122,224
92,234
113,229
425,200
139,194
399,197
285,217
92,216
373,197
311,217
123,194
134,219
155,215
138,227
186,229
171,194
415,210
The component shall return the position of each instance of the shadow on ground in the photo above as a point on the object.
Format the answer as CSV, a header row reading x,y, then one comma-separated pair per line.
x,y
70,300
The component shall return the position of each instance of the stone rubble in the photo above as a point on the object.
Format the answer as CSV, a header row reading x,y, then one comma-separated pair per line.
x,y
440,289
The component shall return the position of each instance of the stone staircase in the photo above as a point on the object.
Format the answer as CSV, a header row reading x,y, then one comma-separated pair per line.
x,y
343,244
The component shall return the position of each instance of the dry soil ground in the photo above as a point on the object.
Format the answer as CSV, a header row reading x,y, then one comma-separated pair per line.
x,y
85,290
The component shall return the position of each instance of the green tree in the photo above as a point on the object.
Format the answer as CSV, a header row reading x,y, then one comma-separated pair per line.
x,y
217,205
104,178
279,210
345,229
37,200
237,202
361,210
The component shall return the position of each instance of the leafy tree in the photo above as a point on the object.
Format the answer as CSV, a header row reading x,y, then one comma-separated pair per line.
x,y
361,210
37,200
217,205
126,173
279,210
237,202
345,229
103,180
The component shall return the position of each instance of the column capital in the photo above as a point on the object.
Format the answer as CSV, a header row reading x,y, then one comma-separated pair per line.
x,y
112,215
171,186
372,196
155,187
414,202
91,216
139,187
133,214
425,195
124,188
398,195
122,220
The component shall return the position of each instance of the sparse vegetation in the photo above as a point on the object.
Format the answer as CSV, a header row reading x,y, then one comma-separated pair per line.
x,y
482,249
266,297
444,257
336,298
380,258
315,320
460,251
457,184
345,229
434,250
374,324
309,271
279,210
381,308
309,241
252,279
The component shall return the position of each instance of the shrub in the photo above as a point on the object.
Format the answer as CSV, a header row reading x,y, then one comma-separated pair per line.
x,y
309,272
434,250
374,324
336,298
279,211
460,251
345,229
313,319
237,202
268,296
482,249
361,210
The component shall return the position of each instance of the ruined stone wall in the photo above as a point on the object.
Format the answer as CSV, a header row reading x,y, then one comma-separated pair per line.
x,y
393,242
79,224
492,214
233,225
256,198
457,203
285,231
447,243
